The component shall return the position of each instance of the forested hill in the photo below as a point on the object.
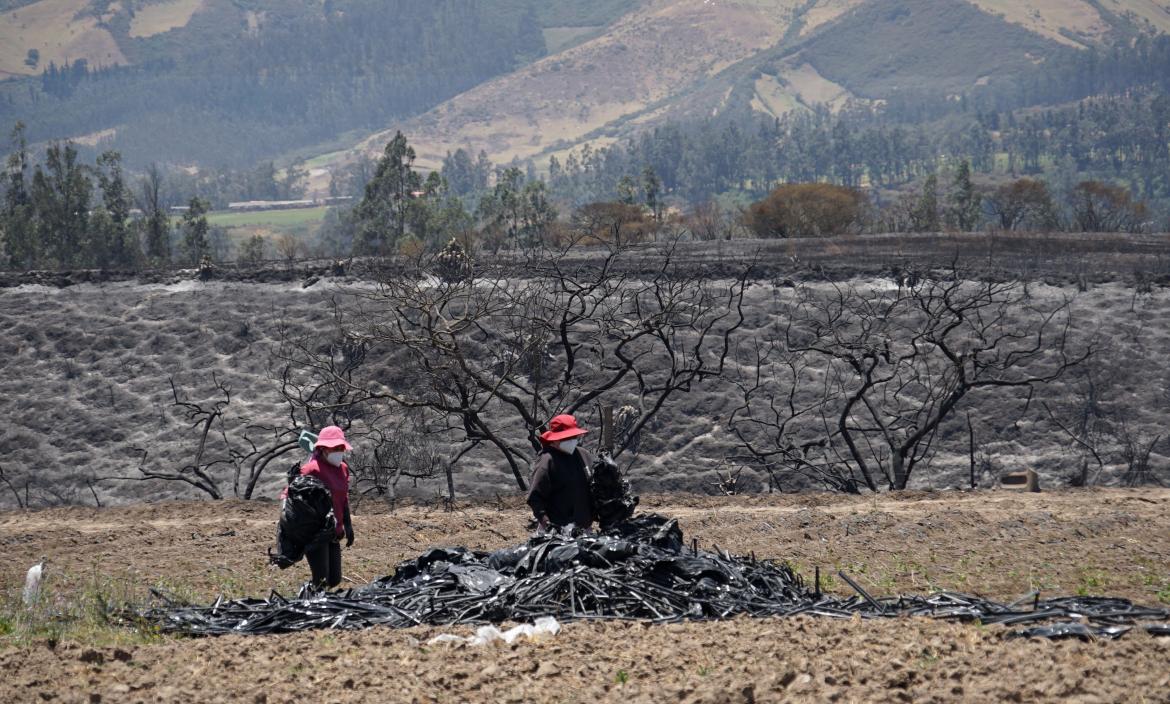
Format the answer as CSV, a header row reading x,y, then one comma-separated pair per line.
x,y
230,82
691,60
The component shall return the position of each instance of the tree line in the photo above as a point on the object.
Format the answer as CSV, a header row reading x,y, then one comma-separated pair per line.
x,y
63,213
1122,139
401,211
1117,130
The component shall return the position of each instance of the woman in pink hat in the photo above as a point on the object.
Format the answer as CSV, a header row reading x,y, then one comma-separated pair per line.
x,y
559,495
327,464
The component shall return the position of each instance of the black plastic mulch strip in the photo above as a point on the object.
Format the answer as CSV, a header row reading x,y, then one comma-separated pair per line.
x,y
1072,629
638,570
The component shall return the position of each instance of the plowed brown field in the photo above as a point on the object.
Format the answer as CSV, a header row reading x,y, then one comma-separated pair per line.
x,y
998,544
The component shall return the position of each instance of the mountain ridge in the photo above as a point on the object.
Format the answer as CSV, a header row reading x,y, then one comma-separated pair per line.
x,y
576,73
796,55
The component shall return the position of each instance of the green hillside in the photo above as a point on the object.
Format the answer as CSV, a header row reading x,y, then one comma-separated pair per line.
x,y
887,46
276,219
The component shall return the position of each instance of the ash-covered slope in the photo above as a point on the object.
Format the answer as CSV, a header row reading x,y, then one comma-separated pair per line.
x,y
88,371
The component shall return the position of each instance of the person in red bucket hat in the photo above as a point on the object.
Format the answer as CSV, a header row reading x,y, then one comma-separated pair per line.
x,y
559,495
327,463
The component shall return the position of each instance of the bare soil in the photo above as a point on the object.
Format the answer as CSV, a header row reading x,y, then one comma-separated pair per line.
x,y
999,544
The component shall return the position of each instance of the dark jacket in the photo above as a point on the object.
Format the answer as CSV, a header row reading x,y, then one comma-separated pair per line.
x,y
336,480
306,519
560,488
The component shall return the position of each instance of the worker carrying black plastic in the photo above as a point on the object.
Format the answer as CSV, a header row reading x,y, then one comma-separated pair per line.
x,y
560,494
315,513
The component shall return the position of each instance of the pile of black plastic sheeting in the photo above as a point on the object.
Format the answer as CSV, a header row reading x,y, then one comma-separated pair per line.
x,y
639,569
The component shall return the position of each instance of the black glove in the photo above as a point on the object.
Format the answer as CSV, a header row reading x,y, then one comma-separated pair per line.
x,y
348,536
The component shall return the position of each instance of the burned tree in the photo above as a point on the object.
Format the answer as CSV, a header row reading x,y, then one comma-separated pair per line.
x,y
411,447
20,503
784,417
854,389
491,359
205,419
319,375
1099,420
228,448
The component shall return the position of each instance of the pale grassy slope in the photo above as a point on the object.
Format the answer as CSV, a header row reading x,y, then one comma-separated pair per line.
x,y
811,87
772,98
156,19
1155,14
53,28
1058,19
646,57
798,85
651,62
1053,19
60,32
826,11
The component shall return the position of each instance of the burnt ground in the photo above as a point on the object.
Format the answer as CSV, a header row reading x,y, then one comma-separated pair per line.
x,y
998,544
87,384
1054,256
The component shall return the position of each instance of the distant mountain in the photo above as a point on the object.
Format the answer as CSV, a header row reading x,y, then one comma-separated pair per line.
x,y
234,81
679,59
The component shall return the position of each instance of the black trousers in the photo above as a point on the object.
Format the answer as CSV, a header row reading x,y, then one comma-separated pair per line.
x,y
325,562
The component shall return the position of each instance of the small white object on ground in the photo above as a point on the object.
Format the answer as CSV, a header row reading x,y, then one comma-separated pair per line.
x,y
543,627
32,583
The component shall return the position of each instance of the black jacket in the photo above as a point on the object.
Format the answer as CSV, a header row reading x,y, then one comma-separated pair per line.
x,y
560,488
305,519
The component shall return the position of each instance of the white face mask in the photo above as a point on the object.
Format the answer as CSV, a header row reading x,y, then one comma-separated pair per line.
x,y
335,458
567,446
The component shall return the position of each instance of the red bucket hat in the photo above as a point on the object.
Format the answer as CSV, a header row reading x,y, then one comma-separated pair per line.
x,y
561,427
331,437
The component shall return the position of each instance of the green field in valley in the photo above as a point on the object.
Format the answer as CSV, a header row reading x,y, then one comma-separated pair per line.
x,y
290,218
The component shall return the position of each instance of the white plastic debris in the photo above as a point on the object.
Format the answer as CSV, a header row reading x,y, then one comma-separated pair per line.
x,y
32,583
543,627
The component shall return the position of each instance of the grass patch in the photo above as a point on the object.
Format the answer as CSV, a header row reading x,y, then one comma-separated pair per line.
x,y
57,30
915,37
1091,582
156,19
557,39
322,160
292,217
1164,594
84,616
